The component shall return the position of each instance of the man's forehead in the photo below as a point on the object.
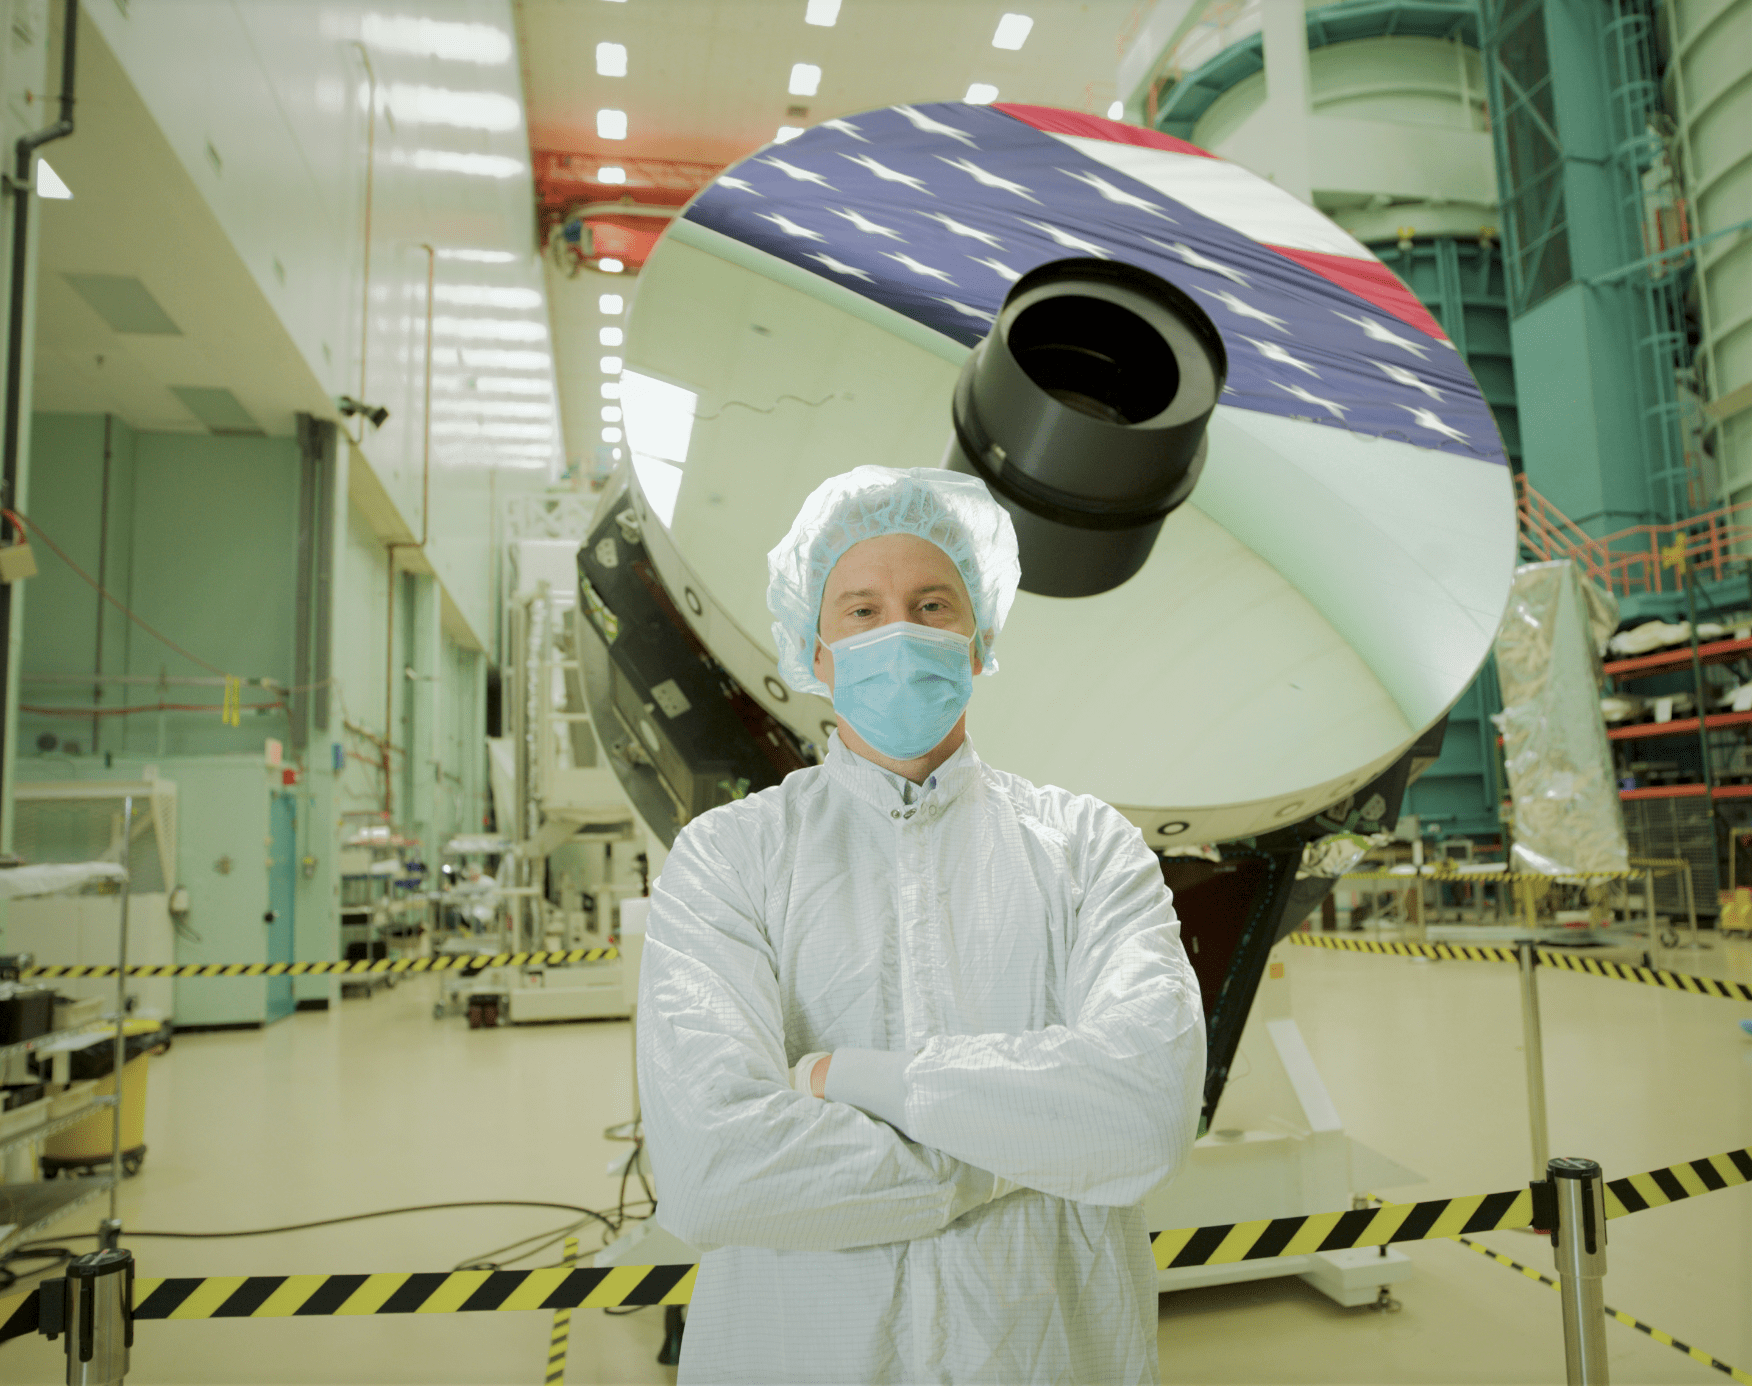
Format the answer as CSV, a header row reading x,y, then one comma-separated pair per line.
x,y
931,567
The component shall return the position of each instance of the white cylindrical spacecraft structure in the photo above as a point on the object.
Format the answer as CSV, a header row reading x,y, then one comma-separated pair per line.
x,y
1218,650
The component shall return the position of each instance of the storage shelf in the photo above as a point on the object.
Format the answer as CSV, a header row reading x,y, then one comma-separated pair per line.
x,y
1665,661
1687,791
1679,726
44,1129
30,1046
33,1207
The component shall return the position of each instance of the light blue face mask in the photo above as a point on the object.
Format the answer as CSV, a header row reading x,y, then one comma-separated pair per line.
x,y
902,686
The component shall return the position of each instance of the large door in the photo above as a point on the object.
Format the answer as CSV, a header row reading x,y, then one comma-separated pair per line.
x,y
283,827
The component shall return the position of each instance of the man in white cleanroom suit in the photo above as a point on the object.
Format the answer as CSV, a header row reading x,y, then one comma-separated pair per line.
x,y
915,1036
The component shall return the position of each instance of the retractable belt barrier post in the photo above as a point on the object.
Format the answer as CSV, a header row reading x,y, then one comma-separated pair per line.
x,y
1533,1043
1573,1199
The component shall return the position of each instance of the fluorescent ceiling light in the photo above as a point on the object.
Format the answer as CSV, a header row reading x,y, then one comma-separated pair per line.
x,y
610,173
477,165
610,336
611,365
506,360
434,38
495,384
609,265
981,93
610,390
616,454
490,329
486,296
493,408
787,133
611,60
611,435
467,110
805,79
611,125
465,428
479,257
1116,111
611,303
49,184
611,413
822,12
1012,31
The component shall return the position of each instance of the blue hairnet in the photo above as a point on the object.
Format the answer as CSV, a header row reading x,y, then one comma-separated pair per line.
x,y
955,512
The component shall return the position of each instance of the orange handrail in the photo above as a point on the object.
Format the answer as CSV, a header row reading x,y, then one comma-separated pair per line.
x,y
1638,559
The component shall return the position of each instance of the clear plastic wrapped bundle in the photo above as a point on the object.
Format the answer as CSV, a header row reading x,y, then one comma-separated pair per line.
x,y
1567,816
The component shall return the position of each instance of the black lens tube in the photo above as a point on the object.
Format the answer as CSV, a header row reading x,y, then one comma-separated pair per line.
x,y
1084,412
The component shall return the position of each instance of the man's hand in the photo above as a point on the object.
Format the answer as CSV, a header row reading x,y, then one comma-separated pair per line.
x,y
818,1076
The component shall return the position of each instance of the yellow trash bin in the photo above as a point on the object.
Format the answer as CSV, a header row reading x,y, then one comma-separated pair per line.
x,y
85,1147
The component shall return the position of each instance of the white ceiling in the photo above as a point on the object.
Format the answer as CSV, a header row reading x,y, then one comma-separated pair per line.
x,y
706,79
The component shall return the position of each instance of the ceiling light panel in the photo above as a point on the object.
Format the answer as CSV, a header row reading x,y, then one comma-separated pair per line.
x,y
486,296
1116,111
434,38
475,165
478,257
609,173
611,125
503,360
466,110
805,79
822,12
609,265
1012,31
611,60
610,336
490,329
981,93
611,365
611,303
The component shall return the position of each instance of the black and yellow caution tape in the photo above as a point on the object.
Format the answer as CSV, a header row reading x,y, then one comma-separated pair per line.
x,y
1453,952
562,1334
1628,1320
449,962
1548,957
1228,1243
1436,871
558,1287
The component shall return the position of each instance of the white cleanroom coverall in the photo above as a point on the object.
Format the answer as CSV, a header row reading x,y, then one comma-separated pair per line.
x,y
1021,940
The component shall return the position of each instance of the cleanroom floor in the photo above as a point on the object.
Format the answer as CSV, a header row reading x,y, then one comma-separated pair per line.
x,y
378,1105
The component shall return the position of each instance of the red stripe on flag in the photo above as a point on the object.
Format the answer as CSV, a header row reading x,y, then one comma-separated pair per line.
x,y
1057,122
1371,280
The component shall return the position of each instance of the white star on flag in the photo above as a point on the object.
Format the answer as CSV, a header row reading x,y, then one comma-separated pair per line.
x,y
916,267
841,267
1119,195
1426,418
726,181
1273,352
789,227
1405,377
1243,309
979,313
845,127
935,127
1377,333
997,265
1197,261
990,180
1067,240
961,228
887,174
802,175
1336,410
864,224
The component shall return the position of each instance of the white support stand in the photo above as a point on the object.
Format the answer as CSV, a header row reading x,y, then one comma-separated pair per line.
x,y
1278,1149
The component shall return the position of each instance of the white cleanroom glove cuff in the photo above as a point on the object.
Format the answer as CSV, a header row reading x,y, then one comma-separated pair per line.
x,y
805,1066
